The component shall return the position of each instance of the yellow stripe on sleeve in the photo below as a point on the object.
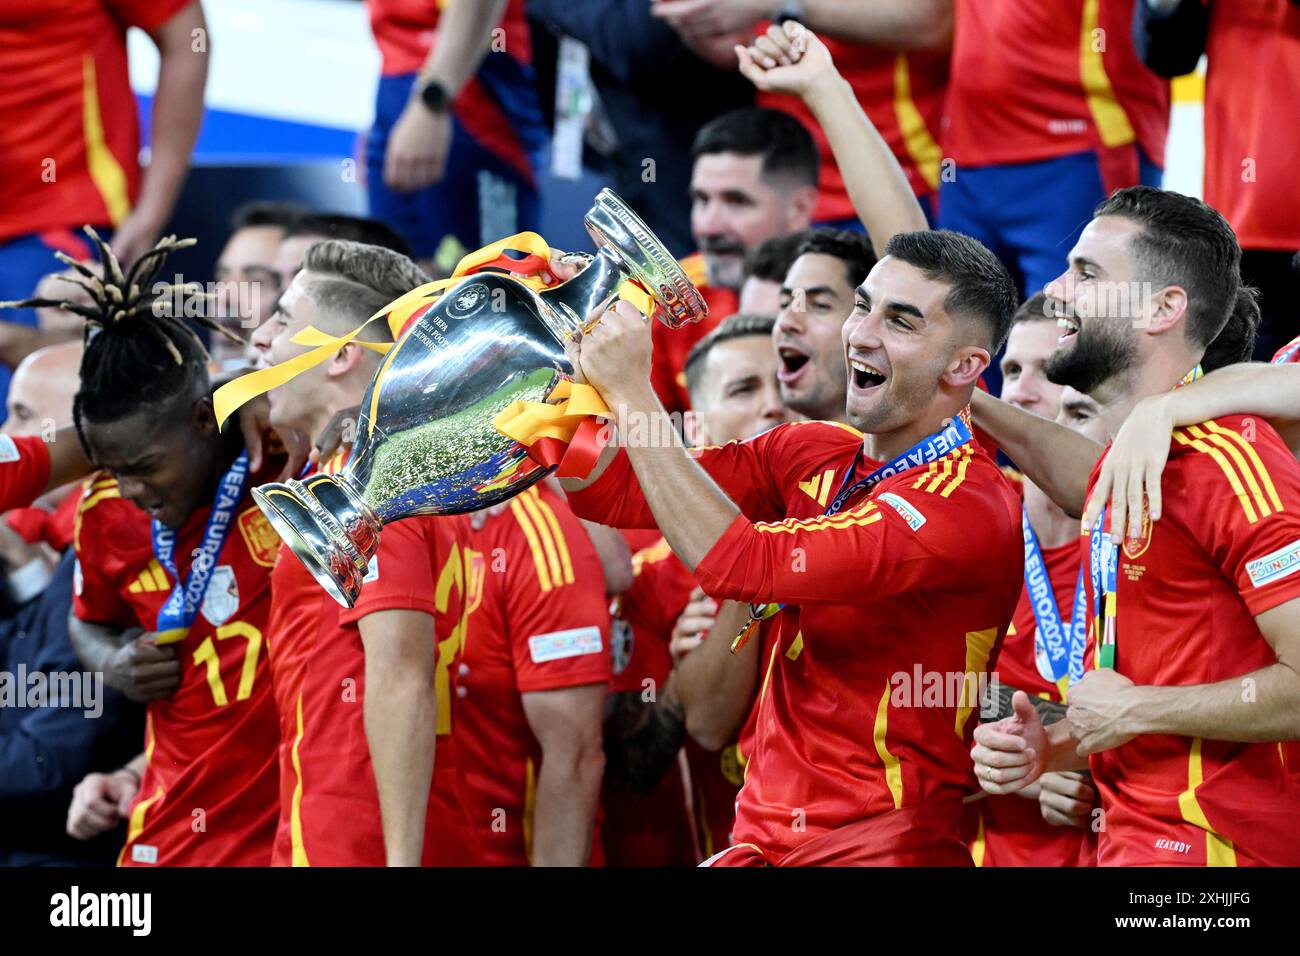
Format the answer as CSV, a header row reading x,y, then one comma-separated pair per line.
x,y
535,546
529,503
1229,472
557,535
1248,450
858,517
965,456
1221,440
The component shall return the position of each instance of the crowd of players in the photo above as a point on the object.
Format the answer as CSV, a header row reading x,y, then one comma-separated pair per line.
x,y
821,626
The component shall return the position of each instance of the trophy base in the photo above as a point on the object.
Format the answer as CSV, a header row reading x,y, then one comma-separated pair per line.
x,y
327,527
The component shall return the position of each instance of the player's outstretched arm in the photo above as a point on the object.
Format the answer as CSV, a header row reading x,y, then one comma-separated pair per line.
x,y
401,717
791,59
716,687
1055,458
1137,456
68,461
692,511
1107,709
567,725
899,24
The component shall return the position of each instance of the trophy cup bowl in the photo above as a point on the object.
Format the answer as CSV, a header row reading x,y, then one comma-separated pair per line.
x,y
425,443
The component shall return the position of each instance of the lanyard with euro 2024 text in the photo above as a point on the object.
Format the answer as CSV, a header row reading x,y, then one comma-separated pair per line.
x,y
931,448
1103,563
177,613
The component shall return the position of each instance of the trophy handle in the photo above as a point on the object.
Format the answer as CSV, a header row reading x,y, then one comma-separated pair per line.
x,y
625,246
622,235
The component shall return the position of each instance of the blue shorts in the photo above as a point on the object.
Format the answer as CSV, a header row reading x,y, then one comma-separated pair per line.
x,y
1030,214
481,197
24,262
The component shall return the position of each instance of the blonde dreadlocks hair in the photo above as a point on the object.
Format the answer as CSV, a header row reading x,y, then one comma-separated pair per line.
x,y
137,353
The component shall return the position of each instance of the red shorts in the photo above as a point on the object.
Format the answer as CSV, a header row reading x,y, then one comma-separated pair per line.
x,y
898,838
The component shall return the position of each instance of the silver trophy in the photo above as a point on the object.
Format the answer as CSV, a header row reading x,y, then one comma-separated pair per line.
x,y
425,442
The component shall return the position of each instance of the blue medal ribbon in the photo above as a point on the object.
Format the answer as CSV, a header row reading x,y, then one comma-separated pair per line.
x,y
1060,644
1103,563
1103,560
181,606
931,448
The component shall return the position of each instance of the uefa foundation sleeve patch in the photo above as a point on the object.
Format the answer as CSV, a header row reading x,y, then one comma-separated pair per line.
x,y
8,450
558,645
913,517
1272,567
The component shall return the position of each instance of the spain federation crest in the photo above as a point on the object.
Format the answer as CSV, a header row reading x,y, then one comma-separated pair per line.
x,y
222,599
1135,546
260,538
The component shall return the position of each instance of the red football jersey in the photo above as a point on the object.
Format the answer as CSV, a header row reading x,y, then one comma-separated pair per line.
x,y
894,608
671,346
1034,81
24,470
208,795
329,804
69,133
53,527
902,93
1254,55
658,828
537,620
661,587
1226,549
1010,830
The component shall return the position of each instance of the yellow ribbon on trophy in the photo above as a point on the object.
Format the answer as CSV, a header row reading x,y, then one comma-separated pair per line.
x,y
229,397
564,433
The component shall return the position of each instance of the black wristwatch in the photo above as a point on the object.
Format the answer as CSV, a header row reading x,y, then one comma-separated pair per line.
x,y
434,96
789,10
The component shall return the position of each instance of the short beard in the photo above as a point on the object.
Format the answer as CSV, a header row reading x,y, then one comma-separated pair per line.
x,y
725,270
1093,360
